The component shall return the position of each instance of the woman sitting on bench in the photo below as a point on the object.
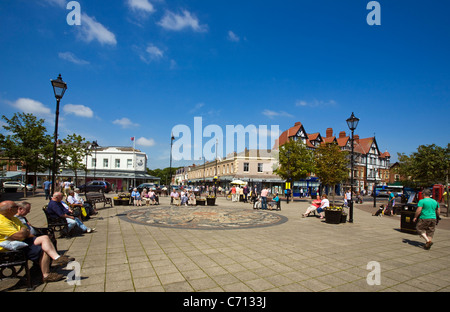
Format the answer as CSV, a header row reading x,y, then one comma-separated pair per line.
x,y
314,205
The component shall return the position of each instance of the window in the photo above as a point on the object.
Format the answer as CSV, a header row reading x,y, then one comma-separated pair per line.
x,y
129,163
105,162
246,165
117,163
260,167
94,162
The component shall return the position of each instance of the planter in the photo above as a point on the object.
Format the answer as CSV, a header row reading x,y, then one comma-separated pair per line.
x,y
117,202
211,201
333,216
201,202
124,201
343,217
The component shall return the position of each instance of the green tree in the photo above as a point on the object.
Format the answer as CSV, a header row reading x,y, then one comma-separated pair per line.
x,y
331,165
429,165
27,143
163,174
296,161
73,151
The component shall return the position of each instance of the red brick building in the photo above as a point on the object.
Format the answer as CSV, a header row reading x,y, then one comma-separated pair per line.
x,y
371,165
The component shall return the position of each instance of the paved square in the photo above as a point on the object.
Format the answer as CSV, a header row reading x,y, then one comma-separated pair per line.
x,y
301,254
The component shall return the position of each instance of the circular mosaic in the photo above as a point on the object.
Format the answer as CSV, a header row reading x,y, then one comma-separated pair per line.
x,y
208,218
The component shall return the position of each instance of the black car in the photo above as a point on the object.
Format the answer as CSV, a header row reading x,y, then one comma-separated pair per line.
x,y
96,186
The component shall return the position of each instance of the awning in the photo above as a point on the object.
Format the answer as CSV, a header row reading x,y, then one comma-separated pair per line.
x,y
9,175
101,174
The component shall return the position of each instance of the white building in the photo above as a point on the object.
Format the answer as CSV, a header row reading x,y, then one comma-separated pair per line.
x,y
121,166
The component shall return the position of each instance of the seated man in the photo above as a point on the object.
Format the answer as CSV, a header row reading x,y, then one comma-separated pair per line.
x,y
40,249
24,209
175,197
89,209
73,202
56,209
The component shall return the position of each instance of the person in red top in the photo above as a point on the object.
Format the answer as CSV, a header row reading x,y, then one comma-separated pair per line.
x,y
233,194
314,205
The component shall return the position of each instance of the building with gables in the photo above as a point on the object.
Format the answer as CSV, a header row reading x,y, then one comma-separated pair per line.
x,y
371,165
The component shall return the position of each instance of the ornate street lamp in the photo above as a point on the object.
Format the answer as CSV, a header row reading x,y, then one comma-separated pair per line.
x,y
59,88
352,123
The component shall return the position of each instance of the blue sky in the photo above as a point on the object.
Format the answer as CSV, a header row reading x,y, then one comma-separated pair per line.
x,y
141,67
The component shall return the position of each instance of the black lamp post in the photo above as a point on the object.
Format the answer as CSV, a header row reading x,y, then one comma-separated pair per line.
x,y
59,88
352,123
94,145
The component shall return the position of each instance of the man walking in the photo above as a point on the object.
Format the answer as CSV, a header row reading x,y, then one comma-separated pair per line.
x,y
46,186
426,213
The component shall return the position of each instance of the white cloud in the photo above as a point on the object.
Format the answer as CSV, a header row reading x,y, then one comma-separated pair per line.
x,y
60,3
197,107
31,106
151,53
145,142
125,123
315,103
272,114
78,110
70,57
91,30
141,5
233,37
176,22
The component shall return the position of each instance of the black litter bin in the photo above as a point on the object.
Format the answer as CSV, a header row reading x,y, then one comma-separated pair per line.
x,y
407,224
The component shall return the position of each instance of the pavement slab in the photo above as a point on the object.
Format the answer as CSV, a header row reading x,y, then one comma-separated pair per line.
x,y
292,255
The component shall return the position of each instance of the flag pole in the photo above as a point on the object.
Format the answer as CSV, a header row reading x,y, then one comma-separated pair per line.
x,y
134,160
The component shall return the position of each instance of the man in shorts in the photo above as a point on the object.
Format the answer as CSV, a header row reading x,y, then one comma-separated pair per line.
x,y
426,214
40,249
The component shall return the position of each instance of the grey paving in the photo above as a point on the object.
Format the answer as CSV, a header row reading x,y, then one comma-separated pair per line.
x,y
299,255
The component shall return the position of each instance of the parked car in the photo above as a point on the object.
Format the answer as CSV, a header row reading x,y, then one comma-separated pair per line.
x,y
96,186
13,186
148,186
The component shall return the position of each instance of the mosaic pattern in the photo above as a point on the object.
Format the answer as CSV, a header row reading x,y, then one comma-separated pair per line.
x,y
208,218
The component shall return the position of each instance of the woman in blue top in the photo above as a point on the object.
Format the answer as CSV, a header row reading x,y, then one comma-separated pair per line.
x,y
136,197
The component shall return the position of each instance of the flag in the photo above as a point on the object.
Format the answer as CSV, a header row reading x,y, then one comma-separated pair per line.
x,y
132,138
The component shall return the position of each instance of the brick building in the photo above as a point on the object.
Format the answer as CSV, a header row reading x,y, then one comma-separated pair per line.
x,y
371,165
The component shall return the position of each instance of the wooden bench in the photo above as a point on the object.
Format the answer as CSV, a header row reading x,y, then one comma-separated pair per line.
x,y
271,203
13,263
94,198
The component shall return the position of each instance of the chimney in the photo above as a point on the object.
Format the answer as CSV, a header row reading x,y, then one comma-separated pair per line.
x,y
356,138
329,132
342,134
